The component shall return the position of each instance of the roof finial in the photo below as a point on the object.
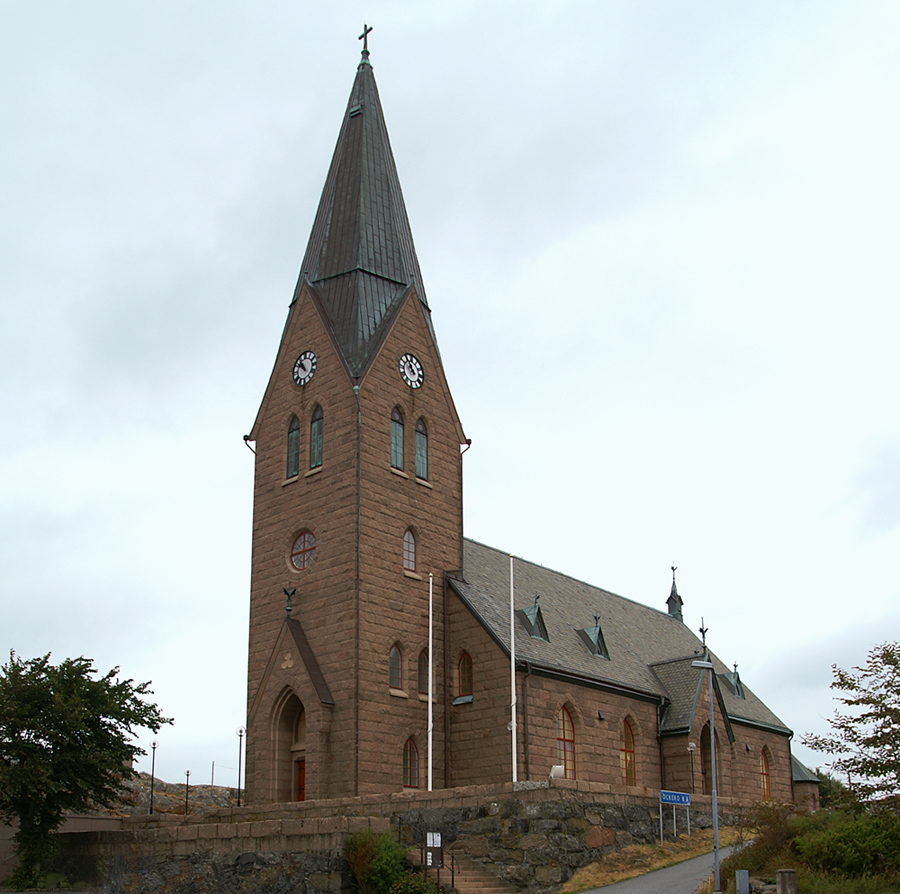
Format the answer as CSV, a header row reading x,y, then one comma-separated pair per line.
x,y
675,602
364,37
703,632
537,596
289,591
596,620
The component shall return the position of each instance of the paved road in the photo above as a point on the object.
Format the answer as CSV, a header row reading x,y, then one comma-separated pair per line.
x,y
682,878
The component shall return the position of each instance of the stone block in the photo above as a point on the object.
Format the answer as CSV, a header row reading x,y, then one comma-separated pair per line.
x,y
600,836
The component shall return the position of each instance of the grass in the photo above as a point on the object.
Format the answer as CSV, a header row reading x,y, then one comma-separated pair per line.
x,y
638,859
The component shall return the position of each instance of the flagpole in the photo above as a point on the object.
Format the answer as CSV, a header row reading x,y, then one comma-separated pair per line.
x,y
512,669
430,676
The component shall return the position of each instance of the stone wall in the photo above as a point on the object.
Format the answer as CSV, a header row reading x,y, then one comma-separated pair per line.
x,y
533,835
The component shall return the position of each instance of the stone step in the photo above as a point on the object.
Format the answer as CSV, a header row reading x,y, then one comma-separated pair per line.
x,y
475,878
469,877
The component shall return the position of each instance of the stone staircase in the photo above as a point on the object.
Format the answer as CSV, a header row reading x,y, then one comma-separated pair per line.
x,y
469,876
475,878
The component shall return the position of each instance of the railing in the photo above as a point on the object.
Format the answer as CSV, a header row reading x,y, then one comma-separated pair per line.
x,y
417,831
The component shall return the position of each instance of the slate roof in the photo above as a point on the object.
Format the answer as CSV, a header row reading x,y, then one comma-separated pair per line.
x,y
802,773
361,260
650,651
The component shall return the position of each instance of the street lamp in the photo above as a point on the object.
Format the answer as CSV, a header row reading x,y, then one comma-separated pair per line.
x,y
707,665
153,746
692,746
240,734
187,786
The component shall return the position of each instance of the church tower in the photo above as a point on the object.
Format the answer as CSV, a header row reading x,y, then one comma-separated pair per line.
x,y
357,498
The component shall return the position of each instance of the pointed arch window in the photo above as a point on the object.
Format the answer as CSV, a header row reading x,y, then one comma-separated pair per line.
x,y
409,550
315,438
627,754
293,448
764,775
423,672
421,450
410,764
395,668
565,742
396,439
465,674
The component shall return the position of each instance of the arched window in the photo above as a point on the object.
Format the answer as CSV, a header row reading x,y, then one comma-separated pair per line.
x,y
627,754
315,438
764,774
465,674
421,449
293,448
565,742
395,668
396,439
410,764
303,550
409,551
423,672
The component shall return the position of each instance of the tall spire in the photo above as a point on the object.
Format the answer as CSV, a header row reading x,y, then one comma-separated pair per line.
x,y
361,259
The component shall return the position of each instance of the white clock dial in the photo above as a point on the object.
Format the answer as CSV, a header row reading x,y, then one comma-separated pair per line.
x,y
411,370
305,367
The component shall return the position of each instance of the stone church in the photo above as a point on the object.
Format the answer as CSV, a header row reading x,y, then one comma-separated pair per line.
x,y
358,545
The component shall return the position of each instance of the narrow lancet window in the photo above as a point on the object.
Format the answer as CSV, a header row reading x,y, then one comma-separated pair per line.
x,y
421,450
395,668
409,551
293,448
315,438
396,439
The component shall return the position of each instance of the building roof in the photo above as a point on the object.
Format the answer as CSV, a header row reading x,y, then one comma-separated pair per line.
x,y
361,260
650,652
802,773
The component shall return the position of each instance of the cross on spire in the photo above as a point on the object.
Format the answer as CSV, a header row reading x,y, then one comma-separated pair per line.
x,y
364,37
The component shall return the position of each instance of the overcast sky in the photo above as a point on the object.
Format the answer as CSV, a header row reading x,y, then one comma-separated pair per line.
x,y
660,245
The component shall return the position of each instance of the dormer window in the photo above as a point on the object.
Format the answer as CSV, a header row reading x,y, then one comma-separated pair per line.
x,y
533,621
733,682
592,637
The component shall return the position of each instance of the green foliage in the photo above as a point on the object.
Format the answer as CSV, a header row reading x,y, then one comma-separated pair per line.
x,y
413,883
377,860
65,745
853,844
839,851
865,741
832,792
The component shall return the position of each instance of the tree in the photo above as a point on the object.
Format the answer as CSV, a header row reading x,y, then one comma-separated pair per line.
x,y
65,745
865,741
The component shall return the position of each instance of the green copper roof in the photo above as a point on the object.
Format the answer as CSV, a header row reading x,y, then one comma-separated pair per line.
x,y
361,259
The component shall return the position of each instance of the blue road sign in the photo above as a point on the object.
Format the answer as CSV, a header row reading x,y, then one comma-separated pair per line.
x,y
674,798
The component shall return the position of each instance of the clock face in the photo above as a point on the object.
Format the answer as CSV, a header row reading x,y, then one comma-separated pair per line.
x,y
411,370
305,367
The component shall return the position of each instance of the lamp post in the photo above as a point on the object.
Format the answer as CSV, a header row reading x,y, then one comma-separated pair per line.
x,y
707,665
187,786
240,734
153,746
692,746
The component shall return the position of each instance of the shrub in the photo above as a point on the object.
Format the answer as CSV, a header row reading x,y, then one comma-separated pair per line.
x,y
377,861
853,844
412,883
